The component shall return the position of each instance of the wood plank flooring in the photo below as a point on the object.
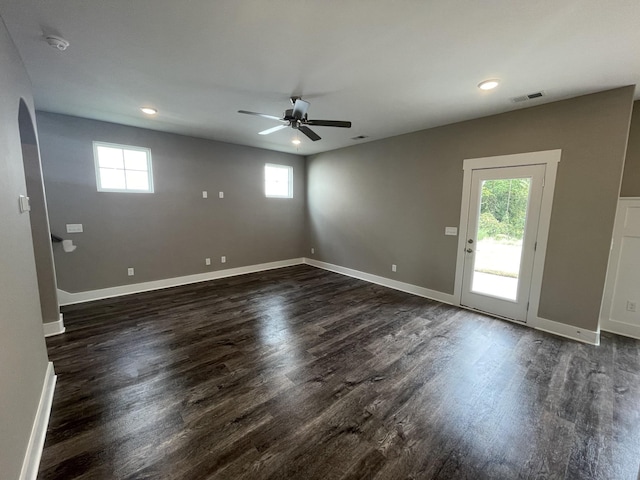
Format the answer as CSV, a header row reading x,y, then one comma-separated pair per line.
x,y
299,373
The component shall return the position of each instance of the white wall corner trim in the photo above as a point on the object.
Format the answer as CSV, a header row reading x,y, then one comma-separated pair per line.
x,y
66,298
54,328
31,461
563,330
385,282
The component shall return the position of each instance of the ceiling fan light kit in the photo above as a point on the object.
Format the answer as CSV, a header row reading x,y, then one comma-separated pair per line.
x,y
298,119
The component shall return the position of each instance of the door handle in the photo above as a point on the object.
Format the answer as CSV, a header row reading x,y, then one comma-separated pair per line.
x,y
469,250
470,240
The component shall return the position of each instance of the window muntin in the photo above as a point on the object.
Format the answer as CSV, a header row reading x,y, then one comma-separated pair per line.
x,y
278,181
122,168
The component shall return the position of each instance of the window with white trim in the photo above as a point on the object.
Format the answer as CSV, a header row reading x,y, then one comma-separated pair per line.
x,y
122,168
278,181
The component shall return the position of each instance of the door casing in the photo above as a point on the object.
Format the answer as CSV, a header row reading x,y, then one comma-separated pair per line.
x,y
550,158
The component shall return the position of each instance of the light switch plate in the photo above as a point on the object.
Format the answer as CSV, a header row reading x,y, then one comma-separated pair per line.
x,y
221,194
25,206
204,194
74,228
451,231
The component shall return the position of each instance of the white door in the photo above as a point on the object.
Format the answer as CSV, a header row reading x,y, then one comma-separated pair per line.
x,y
504,210
621,301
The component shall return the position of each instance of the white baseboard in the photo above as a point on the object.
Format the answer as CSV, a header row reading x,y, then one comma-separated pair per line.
x,y
54,328
385,282
549,326
31,461
623,329
568,331
66,298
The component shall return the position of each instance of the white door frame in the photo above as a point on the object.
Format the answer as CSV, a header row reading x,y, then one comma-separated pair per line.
x,y
550,158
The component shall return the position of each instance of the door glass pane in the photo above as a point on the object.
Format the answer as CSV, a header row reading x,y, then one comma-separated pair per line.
x,y
498,250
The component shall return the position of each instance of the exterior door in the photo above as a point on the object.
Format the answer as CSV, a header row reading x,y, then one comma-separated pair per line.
x,y
504,209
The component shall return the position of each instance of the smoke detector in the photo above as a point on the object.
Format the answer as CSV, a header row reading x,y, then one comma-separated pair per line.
x,y
57,42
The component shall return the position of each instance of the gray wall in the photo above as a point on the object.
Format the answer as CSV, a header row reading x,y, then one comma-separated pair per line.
x,y
23,355
168,233
631,177
389,201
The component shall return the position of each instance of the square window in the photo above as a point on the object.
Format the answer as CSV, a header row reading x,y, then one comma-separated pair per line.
x,y
122,168
278,181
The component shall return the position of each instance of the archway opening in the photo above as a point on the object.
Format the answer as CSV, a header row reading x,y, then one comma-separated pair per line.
x,y
40,233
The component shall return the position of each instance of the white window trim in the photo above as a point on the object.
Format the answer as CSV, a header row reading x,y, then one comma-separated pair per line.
x,y
96,162
290,180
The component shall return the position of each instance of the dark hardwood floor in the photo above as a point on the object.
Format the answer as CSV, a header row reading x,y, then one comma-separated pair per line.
x,y
299,373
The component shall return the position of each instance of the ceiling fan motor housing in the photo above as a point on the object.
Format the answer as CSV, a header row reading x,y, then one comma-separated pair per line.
x,y
297,119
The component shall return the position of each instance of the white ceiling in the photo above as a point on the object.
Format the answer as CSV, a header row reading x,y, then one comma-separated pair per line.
x,y
391,67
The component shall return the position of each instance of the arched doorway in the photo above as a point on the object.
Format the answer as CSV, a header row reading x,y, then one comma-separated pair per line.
x,y
39,219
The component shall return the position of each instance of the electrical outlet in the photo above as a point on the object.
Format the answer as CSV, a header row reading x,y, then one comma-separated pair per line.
x,y
130,272
631,306
313,250
394,268
223,259
221,194
205,194
207,261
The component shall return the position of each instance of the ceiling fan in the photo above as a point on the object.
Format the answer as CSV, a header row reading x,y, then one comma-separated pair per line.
x,y
297,119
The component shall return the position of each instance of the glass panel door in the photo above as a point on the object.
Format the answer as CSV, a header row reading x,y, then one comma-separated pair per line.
x,y
504,208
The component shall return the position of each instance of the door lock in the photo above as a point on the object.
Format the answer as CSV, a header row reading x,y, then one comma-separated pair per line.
x,y
469,250
470,240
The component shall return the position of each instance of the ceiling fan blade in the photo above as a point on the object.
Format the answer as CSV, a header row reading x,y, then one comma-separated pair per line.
x,y
273,129
329,123
309,133
263,115
300,108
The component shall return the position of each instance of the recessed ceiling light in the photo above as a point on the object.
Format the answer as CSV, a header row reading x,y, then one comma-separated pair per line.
x,y
489,84
149,110
295,141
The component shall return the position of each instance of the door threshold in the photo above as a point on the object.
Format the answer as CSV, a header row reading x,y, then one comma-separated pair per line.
x,y
494,315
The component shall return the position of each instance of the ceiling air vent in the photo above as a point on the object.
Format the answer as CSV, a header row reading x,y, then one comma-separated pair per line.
x,y
525,98
359,137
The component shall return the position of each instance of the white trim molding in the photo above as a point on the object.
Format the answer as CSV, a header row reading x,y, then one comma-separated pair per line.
x,y
385,282
564,330
549,158
66,298
54,328
613,317
31,461
542,324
